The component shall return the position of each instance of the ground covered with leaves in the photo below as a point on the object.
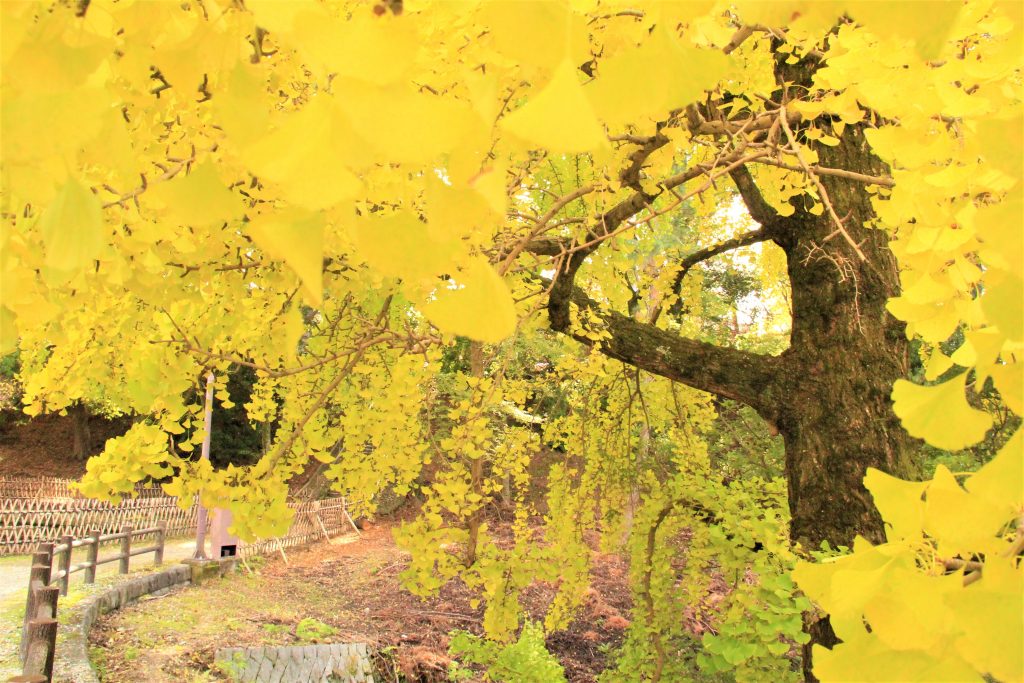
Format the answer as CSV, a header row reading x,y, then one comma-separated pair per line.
x,y
345,590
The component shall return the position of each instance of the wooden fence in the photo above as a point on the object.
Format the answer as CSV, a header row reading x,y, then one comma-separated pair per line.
x,y
314,520
39,630
26,522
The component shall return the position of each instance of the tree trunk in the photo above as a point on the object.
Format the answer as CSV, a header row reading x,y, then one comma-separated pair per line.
x,y
828,394
81,435
845,353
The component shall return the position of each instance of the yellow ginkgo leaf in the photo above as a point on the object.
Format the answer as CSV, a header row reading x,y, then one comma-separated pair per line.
x,y
867,659
539,33
961,522
72,228
926,22
242,107
8,331
477,304
297,238
458,212
402,124
939,414
199,198
937,365
46,62
679,75
1001,301
1009,381
398,245
908,613
992,606
376,49
898,501
1001,480
559,117
307,156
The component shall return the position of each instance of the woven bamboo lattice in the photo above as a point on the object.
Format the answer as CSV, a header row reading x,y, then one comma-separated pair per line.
x,y
314,520
25,522
53,487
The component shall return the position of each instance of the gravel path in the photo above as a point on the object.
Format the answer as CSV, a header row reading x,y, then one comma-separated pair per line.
x,y
13,577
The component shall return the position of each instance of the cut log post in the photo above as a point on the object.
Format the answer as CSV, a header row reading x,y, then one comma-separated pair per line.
x,y
126,548
65,563
42,639
161,537
46,602
94,556
39,576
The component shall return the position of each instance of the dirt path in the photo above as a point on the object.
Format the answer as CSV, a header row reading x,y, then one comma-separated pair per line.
x,y
347,590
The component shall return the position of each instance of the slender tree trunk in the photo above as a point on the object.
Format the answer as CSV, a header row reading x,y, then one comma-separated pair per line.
x,y
81,434
476,465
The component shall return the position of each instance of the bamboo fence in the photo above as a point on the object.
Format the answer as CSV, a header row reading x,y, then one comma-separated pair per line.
x,y
26,522
57,511
54,487
314,520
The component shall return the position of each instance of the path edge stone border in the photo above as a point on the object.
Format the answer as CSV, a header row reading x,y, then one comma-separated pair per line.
x,y
72,664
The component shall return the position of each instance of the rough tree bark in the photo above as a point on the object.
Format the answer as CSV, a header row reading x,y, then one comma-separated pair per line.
x,y
828,393
81,434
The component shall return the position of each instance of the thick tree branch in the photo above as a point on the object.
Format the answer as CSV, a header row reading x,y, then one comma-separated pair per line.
x,y
739,375
746,239
760,210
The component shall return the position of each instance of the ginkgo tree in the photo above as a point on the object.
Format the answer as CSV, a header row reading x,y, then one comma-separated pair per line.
x,y
329,193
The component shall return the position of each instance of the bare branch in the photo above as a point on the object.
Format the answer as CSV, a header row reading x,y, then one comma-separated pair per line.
x,y
884,181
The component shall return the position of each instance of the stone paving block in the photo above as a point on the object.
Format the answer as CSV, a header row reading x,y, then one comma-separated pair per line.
x,y
329,663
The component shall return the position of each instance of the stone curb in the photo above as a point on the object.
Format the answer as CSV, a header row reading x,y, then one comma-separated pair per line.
x,y
72,659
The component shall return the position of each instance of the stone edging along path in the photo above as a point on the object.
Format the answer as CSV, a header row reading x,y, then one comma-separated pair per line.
x,y
71,663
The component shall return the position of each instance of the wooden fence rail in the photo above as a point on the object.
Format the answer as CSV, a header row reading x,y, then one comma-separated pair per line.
x,y
39,629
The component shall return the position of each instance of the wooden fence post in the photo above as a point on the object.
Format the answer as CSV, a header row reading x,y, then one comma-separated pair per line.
x,y
39,575
65,563
94,556
42,639
46,602
126,548
161,537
